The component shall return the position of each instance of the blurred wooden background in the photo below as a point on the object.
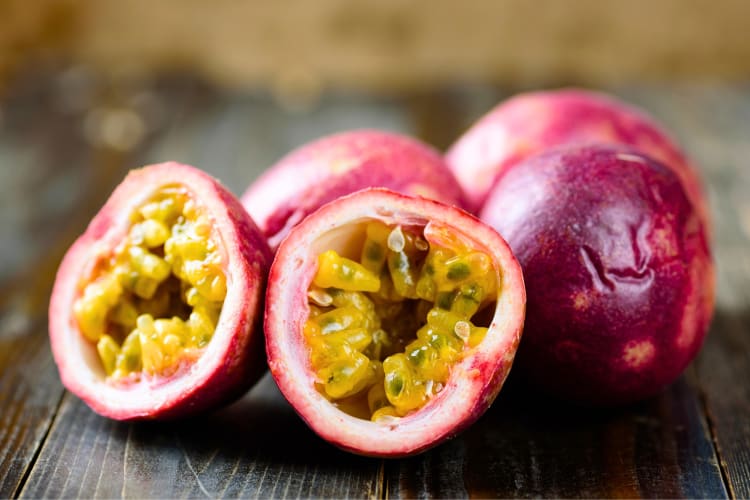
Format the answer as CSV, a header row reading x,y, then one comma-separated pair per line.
x,y
67,139
300,48
89,90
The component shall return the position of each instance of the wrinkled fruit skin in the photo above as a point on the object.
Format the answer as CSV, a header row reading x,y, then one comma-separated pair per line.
x,y
533,122
232,362
474,382
333,166
618,271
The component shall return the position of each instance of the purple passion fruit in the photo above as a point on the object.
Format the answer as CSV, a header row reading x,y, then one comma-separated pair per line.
x,y
533,122
617,267
155,309
392,321
334,166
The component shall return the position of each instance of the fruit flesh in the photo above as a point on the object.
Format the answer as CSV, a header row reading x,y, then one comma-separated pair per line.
x,y
384,331
153,304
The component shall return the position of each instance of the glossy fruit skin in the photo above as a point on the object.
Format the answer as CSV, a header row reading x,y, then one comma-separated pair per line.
x,y
339,164
618,271
234,359
532,122
474,382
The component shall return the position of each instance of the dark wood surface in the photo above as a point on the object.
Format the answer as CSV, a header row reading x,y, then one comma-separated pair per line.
x,y
66,139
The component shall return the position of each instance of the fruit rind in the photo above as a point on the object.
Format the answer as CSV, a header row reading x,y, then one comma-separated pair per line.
x,y
618,270
474,382
532,122
234,358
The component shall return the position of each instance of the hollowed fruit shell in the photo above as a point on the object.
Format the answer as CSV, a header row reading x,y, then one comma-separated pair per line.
x,y
536,121
233,359
474,381
336,165
618,271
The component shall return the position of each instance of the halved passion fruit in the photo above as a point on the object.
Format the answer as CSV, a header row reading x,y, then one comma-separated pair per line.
x,y
339,164
154,311
392,321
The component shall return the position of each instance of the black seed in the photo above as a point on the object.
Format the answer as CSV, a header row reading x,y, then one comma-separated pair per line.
x,y
373,251
469,298
417,356
400,261
458,271
395,385
437,341
470,291
444,300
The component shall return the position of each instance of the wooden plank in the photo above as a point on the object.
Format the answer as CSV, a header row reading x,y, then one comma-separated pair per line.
x,y
713,122
439,117
528,446
257,447
54,178
724,368
29,395
41,154
237,136
724,364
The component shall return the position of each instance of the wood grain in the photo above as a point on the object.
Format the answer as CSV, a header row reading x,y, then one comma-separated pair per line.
x,y
692,441
724,368
53,180
235,137
713,123
724,364
29,395
39,151
257,447
531,446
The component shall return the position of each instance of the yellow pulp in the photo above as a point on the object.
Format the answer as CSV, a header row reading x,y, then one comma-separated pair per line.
x,y
364,315
155,301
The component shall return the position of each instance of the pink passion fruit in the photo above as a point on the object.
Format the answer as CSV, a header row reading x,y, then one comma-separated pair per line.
x,y
334,166
533,122
155,308
392,321
618,271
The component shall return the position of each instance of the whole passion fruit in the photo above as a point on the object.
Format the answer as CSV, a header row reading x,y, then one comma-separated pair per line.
x,y
618,271
333,166
392,321
155,308
533,122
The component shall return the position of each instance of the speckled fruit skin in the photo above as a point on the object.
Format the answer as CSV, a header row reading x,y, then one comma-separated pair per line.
x,y
234,359
618,271
474,382
336,165
533,122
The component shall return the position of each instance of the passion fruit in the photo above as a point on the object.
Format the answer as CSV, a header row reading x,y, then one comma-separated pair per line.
x,y
618,271
536,121
336,165
392,321
155,308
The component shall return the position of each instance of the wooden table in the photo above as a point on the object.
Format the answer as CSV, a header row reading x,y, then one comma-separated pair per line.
x,y
67,138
